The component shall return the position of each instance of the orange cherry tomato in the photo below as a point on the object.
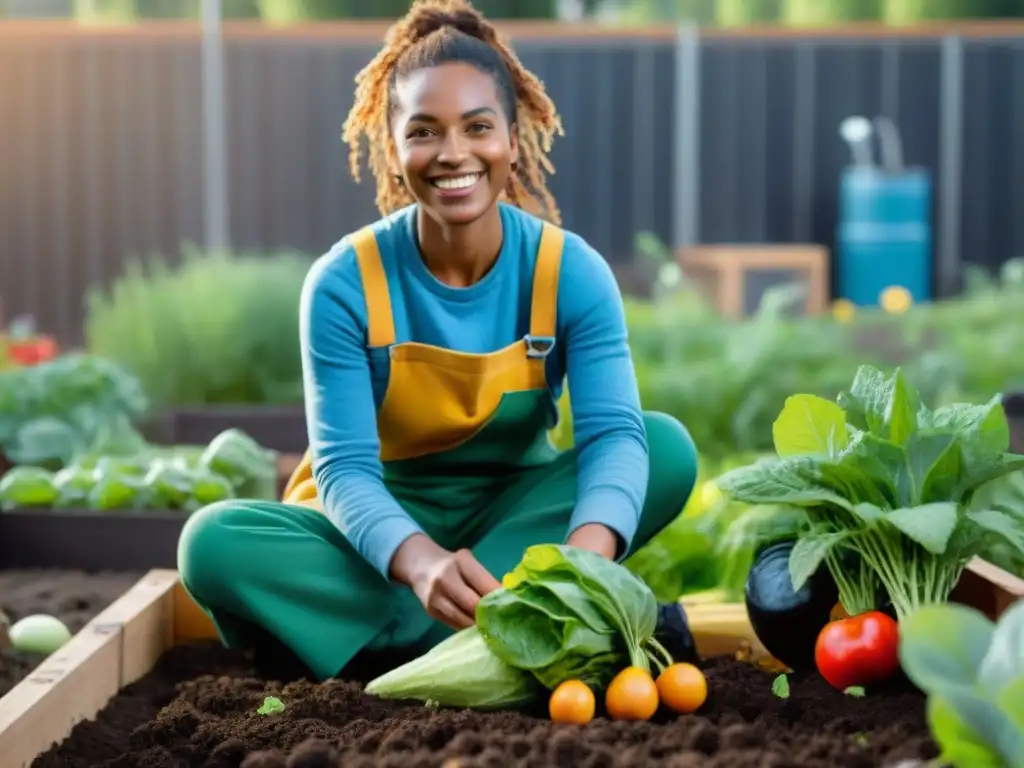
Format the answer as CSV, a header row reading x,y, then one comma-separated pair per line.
x,y
632,695
683,688
572,702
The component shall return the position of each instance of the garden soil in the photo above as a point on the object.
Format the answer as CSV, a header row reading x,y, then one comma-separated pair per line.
x,y
73,597
211,721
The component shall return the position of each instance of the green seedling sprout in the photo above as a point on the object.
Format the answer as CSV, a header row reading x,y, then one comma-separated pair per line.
x,y
856,691
780,686
271,706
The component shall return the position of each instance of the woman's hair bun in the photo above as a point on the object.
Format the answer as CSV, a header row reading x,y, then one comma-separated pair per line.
x,y
426,19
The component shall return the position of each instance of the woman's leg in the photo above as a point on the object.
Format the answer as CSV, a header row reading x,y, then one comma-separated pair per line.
x,y
537,509
289,572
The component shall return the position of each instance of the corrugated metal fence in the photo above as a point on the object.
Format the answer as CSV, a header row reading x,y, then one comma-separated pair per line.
x,y
101,141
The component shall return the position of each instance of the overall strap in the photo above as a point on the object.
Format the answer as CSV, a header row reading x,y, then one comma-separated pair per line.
x,y
544,305
380,323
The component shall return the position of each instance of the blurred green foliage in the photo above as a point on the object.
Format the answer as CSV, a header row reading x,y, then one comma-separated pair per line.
x,y
293,11
216,328
731,13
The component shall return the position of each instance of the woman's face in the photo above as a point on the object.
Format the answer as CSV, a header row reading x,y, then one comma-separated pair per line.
x,y
454,144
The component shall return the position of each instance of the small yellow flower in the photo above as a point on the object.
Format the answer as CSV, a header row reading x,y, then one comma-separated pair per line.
x,y
843,310
895,299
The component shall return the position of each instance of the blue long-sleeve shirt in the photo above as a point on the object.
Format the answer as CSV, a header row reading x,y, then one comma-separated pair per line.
x,y
341,382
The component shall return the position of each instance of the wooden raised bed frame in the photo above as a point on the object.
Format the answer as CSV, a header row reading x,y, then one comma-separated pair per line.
x,y
123,643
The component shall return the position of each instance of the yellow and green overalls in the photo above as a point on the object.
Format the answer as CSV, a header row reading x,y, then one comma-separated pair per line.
x,y
466,452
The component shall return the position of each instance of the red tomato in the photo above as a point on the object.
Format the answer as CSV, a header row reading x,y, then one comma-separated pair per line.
x,y
862,650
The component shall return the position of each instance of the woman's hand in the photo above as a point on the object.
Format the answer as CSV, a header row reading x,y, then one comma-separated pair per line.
x,y
596,538
448,584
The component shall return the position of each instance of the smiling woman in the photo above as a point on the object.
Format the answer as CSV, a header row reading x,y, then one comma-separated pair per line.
x,y
435,345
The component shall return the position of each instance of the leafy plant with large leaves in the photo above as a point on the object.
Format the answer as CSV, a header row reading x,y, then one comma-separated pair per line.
x,y
565,613
64,408
887,487
562,614
973,673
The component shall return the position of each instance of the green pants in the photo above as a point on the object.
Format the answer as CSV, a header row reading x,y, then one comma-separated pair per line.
x,y
290,572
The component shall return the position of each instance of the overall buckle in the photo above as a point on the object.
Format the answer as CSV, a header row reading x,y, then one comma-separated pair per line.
x,y
539,347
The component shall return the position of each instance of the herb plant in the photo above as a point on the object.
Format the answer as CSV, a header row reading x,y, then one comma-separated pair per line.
x,y
886,485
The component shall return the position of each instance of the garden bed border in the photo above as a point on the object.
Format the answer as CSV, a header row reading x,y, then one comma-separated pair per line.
x,y
277,427
91,540
124,642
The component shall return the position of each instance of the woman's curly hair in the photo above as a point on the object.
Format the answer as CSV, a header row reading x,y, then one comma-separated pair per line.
x,y
434,32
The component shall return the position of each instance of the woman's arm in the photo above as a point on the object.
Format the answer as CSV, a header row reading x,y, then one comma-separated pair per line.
x,y
341,413
608,426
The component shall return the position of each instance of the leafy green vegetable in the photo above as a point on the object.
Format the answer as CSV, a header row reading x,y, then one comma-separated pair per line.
x,y
155,477
973,673
27,487
250,468
460,671
887,486
562,613
566,613
209,487
271,706
1004,495
115,491
168,484
54,412
73,485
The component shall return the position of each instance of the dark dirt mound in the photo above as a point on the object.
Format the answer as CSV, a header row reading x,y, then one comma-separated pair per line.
x,y
213,723
73,597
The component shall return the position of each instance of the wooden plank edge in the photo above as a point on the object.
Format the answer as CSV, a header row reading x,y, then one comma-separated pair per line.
x,y
988,588
116,648
724,629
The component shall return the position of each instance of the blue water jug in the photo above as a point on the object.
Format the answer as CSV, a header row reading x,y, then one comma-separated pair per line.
x,y
884,236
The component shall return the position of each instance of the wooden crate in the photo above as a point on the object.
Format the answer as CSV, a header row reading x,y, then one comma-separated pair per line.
x,y
123,643
735,277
